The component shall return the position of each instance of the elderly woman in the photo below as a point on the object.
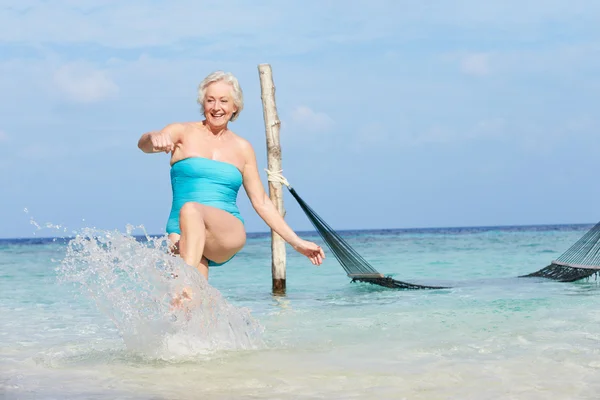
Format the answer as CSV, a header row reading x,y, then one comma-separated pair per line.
x,y
209,163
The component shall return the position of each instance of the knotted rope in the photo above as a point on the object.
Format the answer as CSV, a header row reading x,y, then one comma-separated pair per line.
x,y
276,176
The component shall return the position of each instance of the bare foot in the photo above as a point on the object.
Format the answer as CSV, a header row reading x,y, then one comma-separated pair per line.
x,y
184,297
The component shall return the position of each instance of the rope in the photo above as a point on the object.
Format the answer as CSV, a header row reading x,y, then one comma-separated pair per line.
x,y
276,176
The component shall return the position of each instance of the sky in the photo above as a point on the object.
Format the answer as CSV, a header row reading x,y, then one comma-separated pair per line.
x,y
395,114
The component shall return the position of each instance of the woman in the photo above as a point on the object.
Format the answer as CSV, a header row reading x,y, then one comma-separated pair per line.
x,y
209,163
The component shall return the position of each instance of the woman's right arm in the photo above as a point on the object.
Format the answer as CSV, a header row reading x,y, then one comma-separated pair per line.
x,y
159,141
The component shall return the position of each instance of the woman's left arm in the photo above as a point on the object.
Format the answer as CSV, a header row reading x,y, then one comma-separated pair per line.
x,y
265,208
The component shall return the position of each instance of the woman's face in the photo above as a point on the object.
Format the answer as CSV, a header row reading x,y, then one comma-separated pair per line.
x,y
218,104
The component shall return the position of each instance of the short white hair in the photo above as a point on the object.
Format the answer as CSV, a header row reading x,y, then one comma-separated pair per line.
x,y
238,96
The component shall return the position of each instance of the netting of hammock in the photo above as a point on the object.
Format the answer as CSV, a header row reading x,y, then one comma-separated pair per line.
x,y
353,263
585,252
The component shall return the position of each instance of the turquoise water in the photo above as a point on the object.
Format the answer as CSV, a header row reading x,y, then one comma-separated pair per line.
x,y
95,322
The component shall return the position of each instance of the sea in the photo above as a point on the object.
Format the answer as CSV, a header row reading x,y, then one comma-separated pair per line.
x,y
91,316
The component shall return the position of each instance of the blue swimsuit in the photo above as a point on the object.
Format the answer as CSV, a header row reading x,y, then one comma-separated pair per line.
x,y
205,181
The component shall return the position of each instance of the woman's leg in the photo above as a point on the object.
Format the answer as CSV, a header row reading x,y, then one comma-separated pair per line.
x,y
193,236
210,232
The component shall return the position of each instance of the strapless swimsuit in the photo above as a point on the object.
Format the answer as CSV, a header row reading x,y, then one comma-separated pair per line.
x,y
205,181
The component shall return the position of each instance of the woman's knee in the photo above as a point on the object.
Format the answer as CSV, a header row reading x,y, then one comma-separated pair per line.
x,y
220,247
191,210
240,240
234,242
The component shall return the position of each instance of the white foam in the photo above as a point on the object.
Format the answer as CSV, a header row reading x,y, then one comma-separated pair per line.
x,y
134,283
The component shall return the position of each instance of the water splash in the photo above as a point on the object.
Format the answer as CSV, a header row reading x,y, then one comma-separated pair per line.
x,y
48,225
134,283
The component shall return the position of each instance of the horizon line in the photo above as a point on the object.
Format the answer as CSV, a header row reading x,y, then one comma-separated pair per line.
x,y
348,230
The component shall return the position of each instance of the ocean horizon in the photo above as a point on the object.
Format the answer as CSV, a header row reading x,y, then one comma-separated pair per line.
x,y
437,230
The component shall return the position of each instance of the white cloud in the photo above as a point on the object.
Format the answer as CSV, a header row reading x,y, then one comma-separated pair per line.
x,y
276,24
379,135
310,120
373,135
493,128
558,59
82,83
475,64
573,60
44,151
308,129
488,128
437,134
131,24
582,124
3,136
485,129
522,133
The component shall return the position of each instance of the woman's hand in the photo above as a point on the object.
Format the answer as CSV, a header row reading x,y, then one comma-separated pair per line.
x,y
314,253
161,141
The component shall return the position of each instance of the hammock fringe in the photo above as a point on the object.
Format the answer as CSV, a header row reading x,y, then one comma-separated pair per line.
x,y
394,284
563,273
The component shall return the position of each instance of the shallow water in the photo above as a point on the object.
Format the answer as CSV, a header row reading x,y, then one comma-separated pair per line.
x,y
491,335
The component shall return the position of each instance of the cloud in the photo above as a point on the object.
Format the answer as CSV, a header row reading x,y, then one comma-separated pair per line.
x,y
44,151
521,133
478,130
492,128
488,128
3,136
438,134
582,125
279,25
133,24
475,64
310,120
579,57
308,129
373,135
82,83
407,133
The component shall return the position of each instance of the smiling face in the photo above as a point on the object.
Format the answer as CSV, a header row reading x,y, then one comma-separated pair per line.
x,y
219,104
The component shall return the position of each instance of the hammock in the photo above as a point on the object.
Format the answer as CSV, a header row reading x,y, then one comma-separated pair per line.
x,y
581,260
354,264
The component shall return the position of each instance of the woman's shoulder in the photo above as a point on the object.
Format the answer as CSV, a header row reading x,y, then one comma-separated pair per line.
x,y
181,129
184,125
241,143
176,127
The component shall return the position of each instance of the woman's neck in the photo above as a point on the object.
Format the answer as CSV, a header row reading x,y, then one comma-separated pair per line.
x,y
216,131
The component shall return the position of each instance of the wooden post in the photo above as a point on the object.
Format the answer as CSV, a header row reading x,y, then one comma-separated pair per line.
x,y
272,125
